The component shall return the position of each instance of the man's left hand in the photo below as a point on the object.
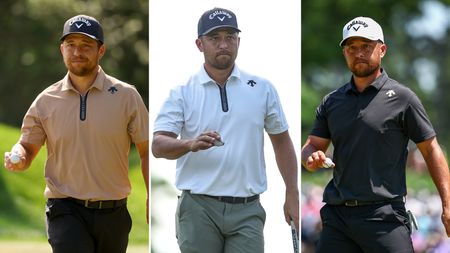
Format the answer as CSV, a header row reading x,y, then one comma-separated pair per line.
x,y
446,220
291,208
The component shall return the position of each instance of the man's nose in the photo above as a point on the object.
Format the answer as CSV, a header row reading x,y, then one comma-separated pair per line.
x,y
77,51
223,43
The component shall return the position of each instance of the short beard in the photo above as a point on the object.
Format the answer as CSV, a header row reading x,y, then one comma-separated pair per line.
x,y
223,64
365,72
81,71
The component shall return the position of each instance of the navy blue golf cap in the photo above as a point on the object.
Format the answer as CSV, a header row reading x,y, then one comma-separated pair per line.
x,y
216,18
83,24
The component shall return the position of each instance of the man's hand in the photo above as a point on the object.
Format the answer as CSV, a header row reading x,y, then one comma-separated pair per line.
x,y
204,141
315,161
313,152
291,208
8,162
446,220
166,145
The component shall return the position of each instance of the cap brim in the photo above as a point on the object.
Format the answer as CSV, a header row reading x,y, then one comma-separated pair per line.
x,y
359,36
217,27
85,34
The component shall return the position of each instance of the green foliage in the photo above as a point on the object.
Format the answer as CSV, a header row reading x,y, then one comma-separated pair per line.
x,y
31,61
310,99
22,203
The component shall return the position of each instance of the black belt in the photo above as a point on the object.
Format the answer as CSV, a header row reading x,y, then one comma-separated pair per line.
x,y
365,203
100,204
234,200
231,200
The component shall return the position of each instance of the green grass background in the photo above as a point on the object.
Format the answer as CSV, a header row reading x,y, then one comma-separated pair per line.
x,y
22,204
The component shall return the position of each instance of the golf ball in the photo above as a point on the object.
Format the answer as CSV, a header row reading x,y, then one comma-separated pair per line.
x,y
218,143
328,163
14,158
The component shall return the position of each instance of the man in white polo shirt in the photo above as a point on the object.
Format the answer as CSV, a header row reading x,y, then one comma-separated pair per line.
x,y
220,115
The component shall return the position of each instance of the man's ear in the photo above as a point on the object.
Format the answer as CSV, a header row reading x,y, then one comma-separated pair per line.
x,y
199,44
383,50
101,50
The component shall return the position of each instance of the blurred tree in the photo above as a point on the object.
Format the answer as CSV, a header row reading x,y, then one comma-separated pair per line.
x,y
31,61
310,99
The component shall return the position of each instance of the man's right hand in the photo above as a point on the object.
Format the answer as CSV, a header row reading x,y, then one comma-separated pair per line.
x,y
313,156
315,161
204,141
166,145
8,163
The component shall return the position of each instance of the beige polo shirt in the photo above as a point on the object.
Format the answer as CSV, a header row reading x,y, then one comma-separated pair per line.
x,y
88,137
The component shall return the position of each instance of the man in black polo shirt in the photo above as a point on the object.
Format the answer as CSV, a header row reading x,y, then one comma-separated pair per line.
x,y
369,121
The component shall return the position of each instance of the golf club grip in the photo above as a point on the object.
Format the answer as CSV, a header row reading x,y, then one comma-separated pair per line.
x,y
294,237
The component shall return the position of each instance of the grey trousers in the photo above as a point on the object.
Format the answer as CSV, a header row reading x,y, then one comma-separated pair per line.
x,y
207,225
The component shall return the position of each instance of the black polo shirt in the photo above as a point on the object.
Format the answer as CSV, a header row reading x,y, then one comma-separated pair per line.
x,y
370,132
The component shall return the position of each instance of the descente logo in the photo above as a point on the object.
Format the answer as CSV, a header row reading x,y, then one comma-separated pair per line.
x,y
214,14
80,20
357,22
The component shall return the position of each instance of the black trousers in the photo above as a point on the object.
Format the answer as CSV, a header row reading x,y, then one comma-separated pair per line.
x,y
73,228
365,229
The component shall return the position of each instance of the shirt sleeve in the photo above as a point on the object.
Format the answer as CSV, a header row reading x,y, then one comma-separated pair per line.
x,y
417,124
275,121
320,127
32,130
138,125
171,115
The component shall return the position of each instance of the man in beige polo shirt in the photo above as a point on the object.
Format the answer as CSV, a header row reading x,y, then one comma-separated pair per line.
x,y
87,121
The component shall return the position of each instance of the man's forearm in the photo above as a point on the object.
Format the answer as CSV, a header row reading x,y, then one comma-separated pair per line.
x,y
170,148
439,172
438,168
145,172
286,160
287,164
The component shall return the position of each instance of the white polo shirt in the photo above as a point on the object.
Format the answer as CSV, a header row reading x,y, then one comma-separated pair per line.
x,y
240,113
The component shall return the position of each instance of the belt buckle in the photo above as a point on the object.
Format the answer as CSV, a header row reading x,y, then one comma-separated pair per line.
x,y
87,204
351,203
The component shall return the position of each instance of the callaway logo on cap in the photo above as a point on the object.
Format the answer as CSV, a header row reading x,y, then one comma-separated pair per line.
x,y
216,18
362,27
83,24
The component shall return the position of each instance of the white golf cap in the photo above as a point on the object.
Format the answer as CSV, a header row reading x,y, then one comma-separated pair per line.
x,y
362,27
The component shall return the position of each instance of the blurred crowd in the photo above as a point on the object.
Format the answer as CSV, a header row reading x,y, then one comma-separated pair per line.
x,y
426,206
